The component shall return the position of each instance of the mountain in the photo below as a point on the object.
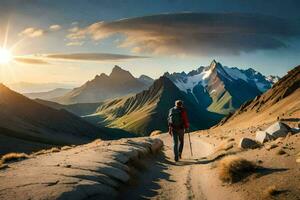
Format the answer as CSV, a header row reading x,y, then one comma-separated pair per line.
x,y
221,89
146,80
147,111
273,79
79,109
280,101
27,87
24,121
103,87
48,95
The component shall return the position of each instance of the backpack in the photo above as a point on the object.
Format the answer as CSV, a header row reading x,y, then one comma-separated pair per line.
x,y
175,118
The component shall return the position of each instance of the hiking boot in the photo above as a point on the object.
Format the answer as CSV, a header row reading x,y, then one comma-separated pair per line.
x,y
180,156
176,159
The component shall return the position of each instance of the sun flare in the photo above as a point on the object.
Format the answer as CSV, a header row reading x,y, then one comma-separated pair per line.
x,y
5,56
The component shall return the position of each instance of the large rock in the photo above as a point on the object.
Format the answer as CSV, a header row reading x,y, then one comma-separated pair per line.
x,y
262,136
247,143
278,129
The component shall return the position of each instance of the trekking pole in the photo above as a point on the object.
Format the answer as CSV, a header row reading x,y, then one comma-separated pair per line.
x,y
190,144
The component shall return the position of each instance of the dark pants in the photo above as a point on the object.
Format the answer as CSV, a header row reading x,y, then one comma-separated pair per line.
x,y
178,135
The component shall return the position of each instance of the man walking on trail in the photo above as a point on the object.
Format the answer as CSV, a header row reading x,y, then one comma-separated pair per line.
x,y
178,125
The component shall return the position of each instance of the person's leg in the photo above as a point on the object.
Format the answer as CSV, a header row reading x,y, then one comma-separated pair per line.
x,y
181,141
175,143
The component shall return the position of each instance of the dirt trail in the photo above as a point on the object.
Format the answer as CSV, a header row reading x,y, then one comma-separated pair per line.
x,y
190,178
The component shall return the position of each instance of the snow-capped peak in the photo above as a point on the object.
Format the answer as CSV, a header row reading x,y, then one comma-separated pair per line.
x,y
187,81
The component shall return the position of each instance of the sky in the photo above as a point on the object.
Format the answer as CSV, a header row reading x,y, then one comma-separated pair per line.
x,y
69,42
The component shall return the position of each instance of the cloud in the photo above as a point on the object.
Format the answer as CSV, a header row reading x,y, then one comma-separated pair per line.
x,y
195,33
32,32
55,27
92,56
75,43
34,61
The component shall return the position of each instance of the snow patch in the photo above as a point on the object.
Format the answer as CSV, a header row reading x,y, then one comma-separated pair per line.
x,y
192,81
235,73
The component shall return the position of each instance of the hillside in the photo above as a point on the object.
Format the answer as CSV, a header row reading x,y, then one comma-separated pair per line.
x,y
24,121
103,87
281,101
220,88
148,110
79,109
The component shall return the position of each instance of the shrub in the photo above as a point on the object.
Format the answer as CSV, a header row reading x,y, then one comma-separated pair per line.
x,y
10,157
233,169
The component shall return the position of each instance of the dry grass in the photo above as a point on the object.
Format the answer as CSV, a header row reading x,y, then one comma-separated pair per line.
x,y
155,133
11,157
233,169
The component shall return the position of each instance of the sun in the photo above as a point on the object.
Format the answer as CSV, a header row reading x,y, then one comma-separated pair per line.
x,y
5,56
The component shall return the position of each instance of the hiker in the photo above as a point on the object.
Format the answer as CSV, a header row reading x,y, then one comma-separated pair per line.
x,y
178,125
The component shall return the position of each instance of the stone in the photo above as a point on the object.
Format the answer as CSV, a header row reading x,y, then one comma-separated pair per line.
x,y
262,136
271,146
278,129
247,143
155,133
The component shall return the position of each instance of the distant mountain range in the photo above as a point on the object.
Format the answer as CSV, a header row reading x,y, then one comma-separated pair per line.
x,y
48,95
102,87
221,89
28,87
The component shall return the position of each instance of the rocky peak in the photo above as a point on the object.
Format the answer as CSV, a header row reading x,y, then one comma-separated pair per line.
x,y
215,65
119,73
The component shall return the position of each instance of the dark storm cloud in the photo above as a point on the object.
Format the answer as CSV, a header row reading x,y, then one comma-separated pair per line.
x,y
92,56
195,33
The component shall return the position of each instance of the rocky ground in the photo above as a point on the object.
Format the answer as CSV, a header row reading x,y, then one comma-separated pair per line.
x,y
198,176
91,171
122,170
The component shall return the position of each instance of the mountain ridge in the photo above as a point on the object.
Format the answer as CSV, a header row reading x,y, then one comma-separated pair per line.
x,y
221,85
118,83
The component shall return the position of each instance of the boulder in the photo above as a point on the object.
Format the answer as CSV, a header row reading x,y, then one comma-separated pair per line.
x,y
155,133
156,145
262,136
278,129
247,143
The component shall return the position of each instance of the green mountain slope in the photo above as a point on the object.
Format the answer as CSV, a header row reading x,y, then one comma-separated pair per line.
x,y
148,110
